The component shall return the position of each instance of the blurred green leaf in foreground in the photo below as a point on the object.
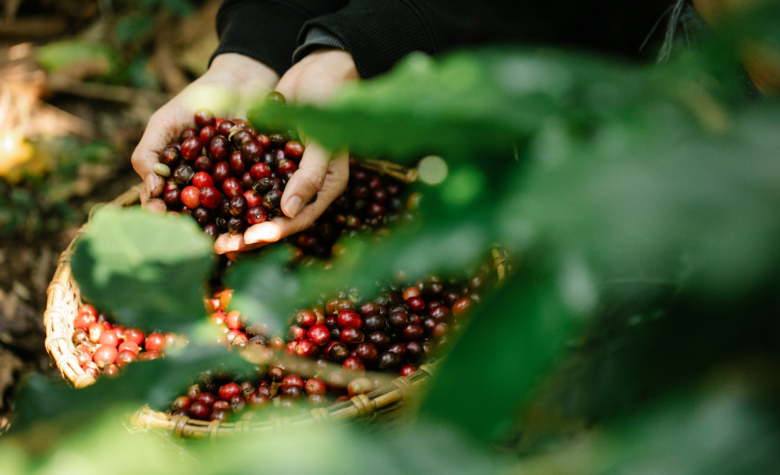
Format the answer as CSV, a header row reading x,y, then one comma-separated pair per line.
x,y
149,269
594,175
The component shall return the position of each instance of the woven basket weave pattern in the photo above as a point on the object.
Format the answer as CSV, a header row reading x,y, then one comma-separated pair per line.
x,y
62,304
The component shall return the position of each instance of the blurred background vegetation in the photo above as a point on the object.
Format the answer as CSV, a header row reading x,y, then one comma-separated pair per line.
x,y
640,204
78,82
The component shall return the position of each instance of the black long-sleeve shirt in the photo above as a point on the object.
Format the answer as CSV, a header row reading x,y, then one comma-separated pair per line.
x,y
378,33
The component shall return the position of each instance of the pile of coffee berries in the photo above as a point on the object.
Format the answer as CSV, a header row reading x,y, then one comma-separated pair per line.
x,y
103,348
369,202
228,175
335,350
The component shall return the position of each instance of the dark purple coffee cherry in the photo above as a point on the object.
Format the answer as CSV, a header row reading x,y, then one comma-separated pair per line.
x,y
202,215
272,199
338,353
236,225
237,205
389,362
170,155
263,186
212,230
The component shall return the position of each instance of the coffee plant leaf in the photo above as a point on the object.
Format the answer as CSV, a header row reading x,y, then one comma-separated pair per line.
x,y
148,269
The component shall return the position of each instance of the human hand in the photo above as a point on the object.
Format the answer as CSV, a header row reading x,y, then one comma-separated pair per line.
x,y
229,72
312,80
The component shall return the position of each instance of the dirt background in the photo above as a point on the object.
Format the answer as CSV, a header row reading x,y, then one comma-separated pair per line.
x,y
78,81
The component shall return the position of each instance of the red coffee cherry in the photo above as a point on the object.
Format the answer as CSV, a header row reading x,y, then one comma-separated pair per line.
x,y
181,402
201,180
149,356
187,133
88,309
307,349
225,126
316,386
461,306
359,386
258,400
353,365
204,118
190,196
84,320
109,338
219,148
104,355
155,342
199,410
351,336
256,215
293,149
416,304
259,171
228,391
367,352
305,318
410,292
252,199
207,134
407,370
233,320
135,335
124,357
319,334
210,197
95,331
232,187
349,319
190,148
292,380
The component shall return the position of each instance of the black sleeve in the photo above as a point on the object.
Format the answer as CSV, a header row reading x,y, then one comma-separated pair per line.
x,y
378,33
267,30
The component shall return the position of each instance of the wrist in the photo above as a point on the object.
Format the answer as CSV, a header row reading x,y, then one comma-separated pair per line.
x,y
236,69
338,62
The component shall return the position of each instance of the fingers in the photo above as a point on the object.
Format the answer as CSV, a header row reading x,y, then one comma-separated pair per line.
x,y
307,180
281,227
155,205
231,243
162,129
271,231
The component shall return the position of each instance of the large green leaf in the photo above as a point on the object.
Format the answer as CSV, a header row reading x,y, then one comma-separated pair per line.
x,y
265,291
723,431
52,406
478,104
507,348
149,269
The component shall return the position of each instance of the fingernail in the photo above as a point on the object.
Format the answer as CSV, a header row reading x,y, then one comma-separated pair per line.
x,y
294,206
150,184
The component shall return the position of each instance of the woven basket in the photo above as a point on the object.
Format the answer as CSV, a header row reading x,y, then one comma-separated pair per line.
x,y
62,304
381,402
64,299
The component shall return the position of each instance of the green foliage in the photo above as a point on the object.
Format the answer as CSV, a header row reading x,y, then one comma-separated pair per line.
x,y
641,206
539,316
57,408
132,27
148,268
57,55
39,203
